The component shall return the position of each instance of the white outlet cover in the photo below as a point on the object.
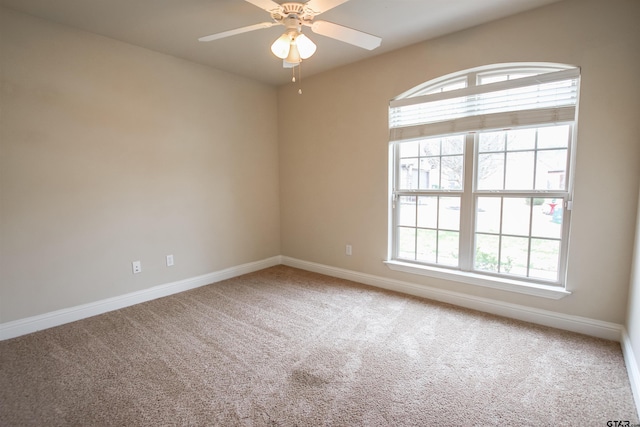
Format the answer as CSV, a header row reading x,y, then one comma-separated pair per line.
x,y
136,267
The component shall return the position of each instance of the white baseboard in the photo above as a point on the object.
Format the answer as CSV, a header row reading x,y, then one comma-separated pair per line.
x,y
633,369
583,325
55,318
579,324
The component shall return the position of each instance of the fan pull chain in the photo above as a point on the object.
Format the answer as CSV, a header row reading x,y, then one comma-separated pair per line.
x,y
293,76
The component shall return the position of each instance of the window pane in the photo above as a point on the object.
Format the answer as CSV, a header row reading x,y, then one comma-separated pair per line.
x,y
514,254
488,215
551,170
408,174
493,78
453,145
523,139
483,80
432,179
486,256
547,218
491,141
452,173
490,171
441,164
409,149
553,136
407,243
517,223
428,212
519,174
519,247
434,245
449,213
545,258
407,211
430,147
427,174
448,247
427,245
456,84
516,213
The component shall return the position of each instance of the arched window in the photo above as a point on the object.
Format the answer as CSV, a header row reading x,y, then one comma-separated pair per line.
x,y
481,176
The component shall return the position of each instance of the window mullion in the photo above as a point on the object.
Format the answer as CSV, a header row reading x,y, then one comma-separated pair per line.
x,y
500,234
415,226
467,206
529,237
438,227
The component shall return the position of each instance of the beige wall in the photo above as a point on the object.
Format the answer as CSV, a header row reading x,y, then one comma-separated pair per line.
x,y
111,153
334,147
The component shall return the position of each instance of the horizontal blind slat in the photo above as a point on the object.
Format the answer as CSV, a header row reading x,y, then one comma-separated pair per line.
x,y
484,122
556,94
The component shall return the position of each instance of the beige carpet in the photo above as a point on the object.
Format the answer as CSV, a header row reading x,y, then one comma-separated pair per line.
x,y
284,347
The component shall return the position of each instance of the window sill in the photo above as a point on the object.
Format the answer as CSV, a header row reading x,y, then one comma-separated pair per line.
x,y
544,291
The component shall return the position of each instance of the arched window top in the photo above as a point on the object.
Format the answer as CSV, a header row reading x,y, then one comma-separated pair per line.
x,y
483,75
484,98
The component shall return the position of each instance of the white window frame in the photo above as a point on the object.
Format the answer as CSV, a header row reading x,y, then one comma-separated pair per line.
x,y
469,125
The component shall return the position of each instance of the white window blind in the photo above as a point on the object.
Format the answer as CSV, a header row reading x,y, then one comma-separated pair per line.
x,y
541,99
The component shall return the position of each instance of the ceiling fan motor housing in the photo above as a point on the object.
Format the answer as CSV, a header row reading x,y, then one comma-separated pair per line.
x,y
293,15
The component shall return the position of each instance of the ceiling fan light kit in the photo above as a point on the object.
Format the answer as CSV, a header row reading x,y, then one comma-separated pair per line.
x,y
305,46
281,46
293,46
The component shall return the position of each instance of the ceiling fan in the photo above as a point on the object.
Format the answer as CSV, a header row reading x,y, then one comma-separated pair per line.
x,y
293,46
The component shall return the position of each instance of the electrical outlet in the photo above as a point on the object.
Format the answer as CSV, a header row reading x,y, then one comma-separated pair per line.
x,y
169,260
136,266
349,250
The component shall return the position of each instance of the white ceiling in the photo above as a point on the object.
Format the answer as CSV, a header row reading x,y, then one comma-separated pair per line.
x,y
173,27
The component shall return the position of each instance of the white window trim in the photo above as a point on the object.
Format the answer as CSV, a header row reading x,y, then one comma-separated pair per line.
x,y
500,283
555,116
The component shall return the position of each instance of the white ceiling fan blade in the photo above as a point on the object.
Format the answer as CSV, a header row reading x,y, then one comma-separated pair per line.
x,y
345,34
237,31
267,5
319,6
